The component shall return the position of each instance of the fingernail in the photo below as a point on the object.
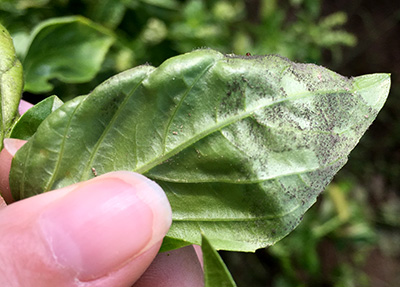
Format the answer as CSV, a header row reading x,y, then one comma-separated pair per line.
x,y
105,223
24,106
13,145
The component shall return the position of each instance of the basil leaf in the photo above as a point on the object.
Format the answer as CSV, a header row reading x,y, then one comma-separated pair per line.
x,y
29,122
70,49
241,145
215,272
11,84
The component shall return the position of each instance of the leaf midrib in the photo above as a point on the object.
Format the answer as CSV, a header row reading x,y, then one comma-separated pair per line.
x,y
158,160
244,181
236,219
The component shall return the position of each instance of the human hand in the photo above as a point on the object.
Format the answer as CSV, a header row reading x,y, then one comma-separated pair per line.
x,y
102,232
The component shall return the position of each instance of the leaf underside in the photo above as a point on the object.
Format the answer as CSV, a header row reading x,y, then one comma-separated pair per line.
x,y
242,146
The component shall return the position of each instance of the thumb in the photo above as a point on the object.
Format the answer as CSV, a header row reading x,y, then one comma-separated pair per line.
x,y
102,232
11,146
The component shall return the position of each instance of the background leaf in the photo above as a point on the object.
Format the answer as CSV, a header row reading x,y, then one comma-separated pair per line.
x,y
15,6
215,271
11,83
241,145
107,12
70,49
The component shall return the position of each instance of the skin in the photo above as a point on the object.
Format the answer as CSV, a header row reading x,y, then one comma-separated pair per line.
x,y
103,232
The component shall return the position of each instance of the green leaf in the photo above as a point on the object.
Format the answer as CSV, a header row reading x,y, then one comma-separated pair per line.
x,y
172,243
11,83
215,272
70,49
242,146
29,122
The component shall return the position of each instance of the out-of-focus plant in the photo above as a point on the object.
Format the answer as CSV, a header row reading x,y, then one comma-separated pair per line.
x,y
207,25
153,30
298,32
341,223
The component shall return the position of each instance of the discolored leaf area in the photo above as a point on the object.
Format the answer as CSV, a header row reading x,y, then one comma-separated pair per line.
x,y
11,84
70,49
242,146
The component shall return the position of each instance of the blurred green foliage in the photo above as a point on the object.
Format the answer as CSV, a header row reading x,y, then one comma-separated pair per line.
x,y
329,248
338,235
154,30
341,224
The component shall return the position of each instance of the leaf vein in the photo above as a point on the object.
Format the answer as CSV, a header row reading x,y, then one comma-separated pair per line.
x,y
62,147
108,128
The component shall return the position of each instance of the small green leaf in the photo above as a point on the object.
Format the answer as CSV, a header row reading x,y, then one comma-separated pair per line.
x,y
11,83
29,122
242,146
70,49
172,243
215,272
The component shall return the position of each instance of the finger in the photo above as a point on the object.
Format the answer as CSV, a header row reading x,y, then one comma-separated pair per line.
x,y
24,106
2,202
103,232
7,153
180,267
6,157
199,254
